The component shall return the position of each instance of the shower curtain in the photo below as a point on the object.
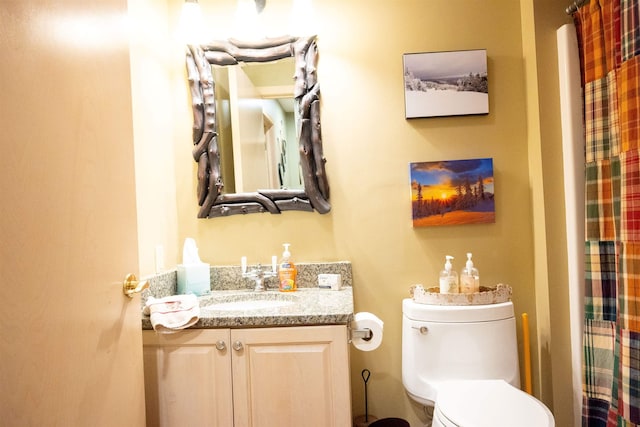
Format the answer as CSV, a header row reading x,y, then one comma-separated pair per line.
x,y
609,40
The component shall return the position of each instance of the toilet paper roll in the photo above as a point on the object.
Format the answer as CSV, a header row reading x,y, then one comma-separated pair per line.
x,y
364,320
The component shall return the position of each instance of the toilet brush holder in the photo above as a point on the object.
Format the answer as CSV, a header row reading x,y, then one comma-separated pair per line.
x,y
366,419
361,420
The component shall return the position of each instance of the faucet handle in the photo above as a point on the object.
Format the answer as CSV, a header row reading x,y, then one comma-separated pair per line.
x,y
258,274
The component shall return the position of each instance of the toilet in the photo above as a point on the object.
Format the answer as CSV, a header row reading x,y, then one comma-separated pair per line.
x,y
463,361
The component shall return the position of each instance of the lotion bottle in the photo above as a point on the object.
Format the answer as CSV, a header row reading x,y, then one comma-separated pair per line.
x,y
287,271
469,278
448,278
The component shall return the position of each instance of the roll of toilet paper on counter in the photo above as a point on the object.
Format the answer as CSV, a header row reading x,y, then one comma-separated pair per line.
x,y
365,320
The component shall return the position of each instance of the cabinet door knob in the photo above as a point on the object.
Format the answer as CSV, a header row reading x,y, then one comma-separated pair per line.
x,y
221,345
237,346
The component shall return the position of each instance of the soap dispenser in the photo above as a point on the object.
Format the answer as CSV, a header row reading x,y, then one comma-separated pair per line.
x,y
287,271
469,278
448,278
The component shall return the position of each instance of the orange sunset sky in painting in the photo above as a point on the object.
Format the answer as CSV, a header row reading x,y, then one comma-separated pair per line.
x,y
439,180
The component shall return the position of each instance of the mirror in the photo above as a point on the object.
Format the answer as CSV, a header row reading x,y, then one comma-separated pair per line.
x,y
257,136
210,148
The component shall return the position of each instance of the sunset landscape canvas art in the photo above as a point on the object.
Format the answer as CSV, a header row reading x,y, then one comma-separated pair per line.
x,y
452,192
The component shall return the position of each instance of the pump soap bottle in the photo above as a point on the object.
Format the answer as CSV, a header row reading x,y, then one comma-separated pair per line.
x,y
448,278
469,278
287,271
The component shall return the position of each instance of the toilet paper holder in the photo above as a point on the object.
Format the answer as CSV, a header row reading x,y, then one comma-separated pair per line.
x,y
364,333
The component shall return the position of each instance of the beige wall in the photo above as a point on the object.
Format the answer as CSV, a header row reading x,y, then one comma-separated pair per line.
x,y
368,145
541,18
157,71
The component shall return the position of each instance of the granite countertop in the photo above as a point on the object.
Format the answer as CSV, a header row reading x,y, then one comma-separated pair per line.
x,y
306,306
309,305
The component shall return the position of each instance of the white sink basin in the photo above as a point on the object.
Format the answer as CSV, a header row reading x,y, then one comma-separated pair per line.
x,y
248,305
235,301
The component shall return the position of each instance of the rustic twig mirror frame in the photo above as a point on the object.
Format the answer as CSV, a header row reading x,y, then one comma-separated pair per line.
x,y
212,200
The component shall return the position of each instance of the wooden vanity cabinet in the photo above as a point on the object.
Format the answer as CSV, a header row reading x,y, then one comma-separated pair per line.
x,y
257,377
187,380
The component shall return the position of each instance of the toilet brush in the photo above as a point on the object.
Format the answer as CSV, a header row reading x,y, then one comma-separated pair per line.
x,y
365,377
361,421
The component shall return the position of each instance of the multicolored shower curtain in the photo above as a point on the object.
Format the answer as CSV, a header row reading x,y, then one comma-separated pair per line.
x,y
609,42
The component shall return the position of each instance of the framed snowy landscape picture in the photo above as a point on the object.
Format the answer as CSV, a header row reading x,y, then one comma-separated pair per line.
x,y
440,84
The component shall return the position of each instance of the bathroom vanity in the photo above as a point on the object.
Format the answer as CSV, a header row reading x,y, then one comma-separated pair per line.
x,y
254,359
248,377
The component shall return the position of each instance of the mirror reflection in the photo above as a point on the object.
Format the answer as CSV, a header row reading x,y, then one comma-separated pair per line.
x,y
256,132
256,126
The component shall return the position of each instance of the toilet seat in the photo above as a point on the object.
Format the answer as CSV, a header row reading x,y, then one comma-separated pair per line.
x,y
488,403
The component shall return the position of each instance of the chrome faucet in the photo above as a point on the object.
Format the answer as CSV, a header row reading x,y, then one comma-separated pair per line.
x,y
258,274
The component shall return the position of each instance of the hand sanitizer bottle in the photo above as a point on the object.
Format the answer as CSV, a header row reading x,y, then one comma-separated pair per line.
x,y
287,271
469,278
448,278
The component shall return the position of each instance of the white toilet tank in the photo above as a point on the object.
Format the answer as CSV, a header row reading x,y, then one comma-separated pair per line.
x,y
444,343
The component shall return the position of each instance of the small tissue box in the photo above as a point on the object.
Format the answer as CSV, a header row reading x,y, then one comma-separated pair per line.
x,y
194,279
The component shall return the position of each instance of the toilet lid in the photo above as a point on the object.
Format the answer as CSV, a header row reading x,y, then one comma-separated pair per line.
x,y
489,403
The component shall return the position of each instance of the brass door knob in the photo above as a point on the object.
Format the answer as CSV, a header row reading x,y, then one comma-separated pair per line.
x,y
131,285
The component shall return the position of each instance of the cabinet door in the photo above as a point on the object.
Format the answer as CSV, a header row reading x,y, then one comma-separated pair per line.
x,y
187,379
297,376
